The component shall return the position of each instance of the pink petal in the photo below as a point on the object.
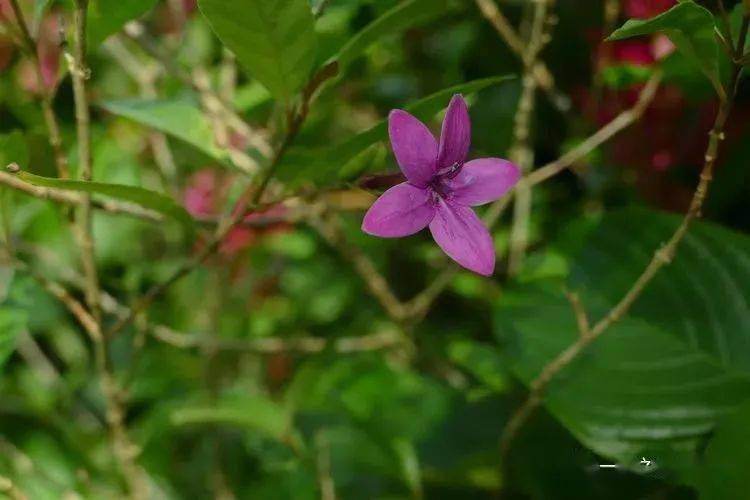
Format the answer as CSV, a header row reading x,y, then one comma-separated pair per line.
x,y
455,138
414,146
401,211
461,235
482,181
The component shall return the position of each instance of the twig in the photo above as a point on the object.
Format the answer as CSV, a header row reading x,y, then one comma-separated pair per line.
x,y
522,153
50,118
75,199
620,122
323,466
541,74
125,452
662,257
582,319
80,72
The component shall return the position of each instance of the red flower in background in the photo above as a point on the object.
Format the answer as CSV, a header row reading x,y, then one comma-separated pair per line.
x,y
205,197
643,9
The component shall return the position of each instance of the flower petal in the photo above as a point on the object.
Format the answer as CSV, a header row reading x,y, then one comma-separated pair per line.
x,y
401,211
461,235
455,138
414,146
482,181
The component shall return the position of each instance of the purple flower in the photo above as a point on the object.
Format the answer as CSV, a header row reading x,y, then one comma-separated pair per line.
x,y
441,187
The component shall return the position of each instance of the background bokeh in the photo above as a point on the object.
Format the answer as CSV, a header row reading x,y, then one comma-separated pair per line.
x,y
272,371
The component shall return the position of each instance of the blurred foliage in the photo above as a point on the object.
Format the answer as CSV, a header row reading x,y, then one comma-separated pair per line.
x,y
271,371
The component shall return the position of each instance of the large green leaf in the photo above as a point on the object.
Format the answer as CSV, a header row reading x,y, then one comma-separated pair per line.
x,y
657,381
140,196
701,298
180,118
12,323
325,165
690,27
401,17
107,17
722,472
637,391
273,39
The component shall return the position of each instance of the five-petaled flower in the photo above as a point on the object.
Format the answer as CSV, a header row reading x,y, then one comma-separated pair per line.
x,y
441,187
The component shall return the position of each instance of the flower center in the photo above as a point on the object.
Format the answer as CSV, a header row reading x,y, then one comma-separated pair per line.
x,y
437,184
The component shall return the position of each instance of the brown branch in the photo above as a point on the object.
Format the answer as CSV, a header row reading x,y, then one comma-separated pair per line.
x,y
75,199
619,123
79,73
540,73
522,152
662,257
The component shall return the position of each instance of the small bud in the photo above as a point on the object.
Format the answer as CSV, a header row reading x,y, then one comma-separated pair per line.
x,y
13,168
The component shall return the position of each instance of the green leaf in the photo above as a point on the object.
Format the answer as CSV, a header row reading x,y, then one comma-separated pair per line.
x,y
140,196
274,40
107,17
401,17
637,391
325,165
690,27
701,298
12,324
13,149
180,118
480,360
722,473
253,412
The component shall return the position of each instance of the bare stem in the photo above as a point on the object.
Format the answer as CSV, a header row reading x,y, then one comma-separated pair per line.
x,y
662,257
522,152
541,74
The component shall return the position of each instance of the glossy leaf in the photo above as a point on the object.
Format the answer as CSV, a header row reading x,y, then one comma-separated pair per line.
x,y
722,471
140,196
180,118
701,298
107,17
274,40
690,27
637,391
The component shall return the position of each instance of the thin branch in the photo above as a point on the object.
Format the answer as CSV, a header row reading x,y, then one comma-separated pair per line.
x,y
80,72
582,318
619,123
541,74
662,257
47,95
75,199
522,152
